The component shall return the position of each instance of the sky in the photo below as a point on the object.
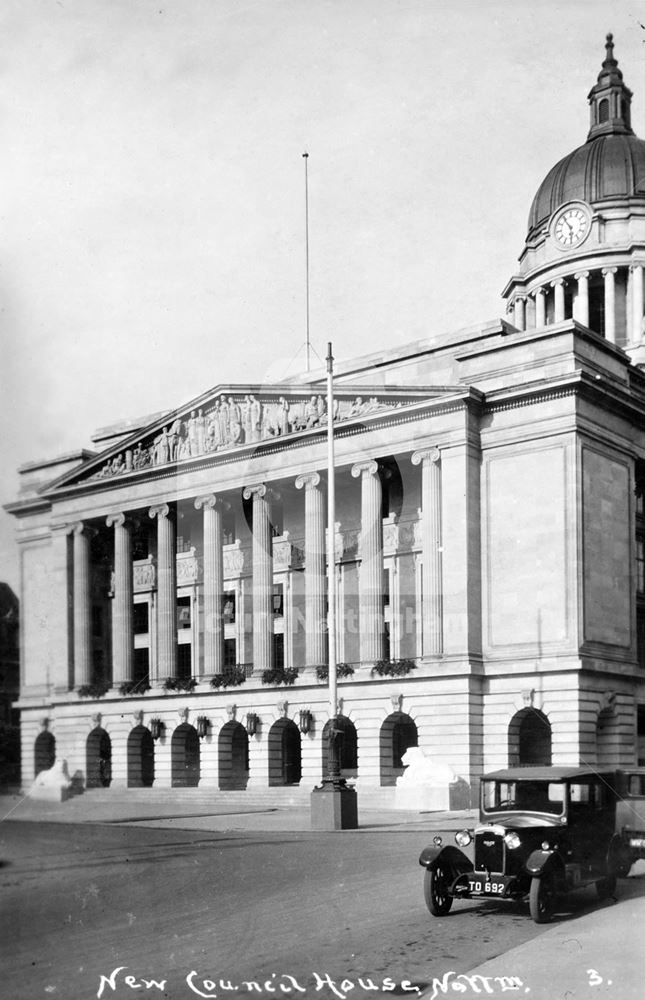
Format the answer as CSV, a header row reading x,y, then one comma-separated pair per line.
x,y
152,188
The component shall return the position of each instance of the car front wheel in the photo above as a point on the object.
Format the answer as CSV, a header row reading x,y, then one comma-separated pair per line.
x,y
542,899
435,889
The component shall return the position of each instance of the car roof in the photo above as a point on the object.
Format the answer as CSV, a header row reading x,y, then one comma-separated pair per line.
x,y
545,774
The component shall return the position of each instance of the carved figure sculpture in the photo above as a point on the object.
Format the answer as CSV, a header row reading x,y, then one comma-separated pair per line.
x,y
234,421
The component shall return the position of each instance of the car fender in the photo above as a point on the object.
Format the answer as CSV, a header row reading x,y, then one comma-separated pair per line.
x,y
451,858
539,862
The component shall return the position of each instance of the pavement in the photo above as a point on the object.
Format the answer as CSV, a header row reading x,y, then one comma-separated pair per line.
x,y
597,955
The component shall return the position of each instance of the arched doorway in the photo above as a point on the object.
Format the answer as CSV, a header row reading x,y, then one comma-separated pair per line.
x,y
44,752
529,739
98,758
141,758
233,754
184,757
348,747
398,734
285,753
607,739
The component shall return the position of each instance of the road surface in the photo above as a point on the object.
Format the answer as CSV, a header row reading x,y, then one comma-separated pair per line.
x,y
189,913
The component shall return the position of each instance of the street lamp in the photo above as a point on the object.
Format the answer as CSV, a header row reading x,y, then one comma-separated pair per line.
x,y
252,723
306,720
156,728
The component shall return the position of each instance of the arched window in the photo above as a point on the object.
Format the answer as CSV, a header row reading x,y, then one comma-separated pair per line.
x,y
603,111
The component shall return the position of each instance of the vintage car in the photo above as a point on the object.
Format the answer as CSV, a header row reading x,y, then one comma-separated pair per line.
x,y
542,832
630,815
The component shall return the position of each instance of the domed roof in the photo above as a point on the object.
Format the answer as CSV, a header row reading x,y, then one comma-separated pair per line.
x,y
610,165
607,166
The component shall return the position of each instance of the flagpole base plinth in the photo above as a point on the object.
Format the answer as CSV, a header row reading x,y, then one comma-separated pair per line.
x,y
334,806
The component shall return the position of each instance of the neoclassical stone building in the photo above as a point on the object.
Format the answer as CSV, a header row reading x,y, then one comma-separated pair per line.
x,y
489,559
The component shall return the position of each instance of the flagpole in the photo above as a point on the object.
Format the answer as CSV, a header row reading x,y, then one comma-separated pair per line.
x,y
305,157
331,548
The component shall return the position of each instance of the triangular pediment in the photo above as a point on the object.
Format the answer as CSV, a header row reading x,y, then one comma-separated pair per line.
x,y
231,417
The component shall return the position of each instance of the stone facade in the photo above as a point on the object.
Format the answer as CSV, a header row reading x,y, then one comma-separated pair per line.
x,y
488,551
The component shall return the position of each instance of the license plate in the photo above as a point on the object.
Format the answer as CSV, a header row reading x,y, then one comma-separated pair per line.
x,y
480,887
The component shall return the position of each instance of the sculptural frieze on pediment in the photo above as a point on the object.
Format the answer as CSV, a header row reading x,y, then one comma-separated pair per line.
x,y
234,421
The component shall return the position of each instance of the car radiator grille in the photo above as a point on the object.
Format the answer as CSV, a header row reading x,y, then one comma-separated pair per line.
x,y
489,852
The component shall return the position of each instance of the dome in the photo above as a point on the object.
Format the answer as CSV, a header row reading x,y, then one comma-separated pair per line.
x,y
610,165
605,167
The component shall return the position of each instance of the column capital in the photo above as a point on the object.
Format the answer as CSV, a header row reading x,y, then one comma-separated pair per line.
x,y
81,528
119,520
636,266
538,291
211,502
258,490
370,468
558,282
581,275
308,479
608,270
160,510
521,297
426,455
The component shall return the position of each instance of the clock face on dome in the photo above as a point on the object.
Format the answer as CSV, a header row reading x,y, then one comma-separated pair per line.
x,y
571,226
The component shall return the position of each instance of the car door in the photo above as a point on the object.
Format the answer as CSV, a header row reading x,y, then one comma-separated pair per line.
x,y
591,823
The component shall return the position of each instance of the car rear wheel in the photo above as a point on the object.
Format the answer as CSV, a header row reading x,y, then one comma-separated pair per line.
x,y
606,887
542,899
435,889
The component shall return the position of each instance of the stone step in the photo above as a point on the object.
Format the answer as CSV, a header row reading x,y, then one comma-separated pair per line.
x,y
275,797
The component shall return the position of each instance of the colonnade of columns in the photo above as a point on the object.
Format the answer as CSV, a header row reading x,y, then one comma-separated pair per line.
x,y
371,575
536,317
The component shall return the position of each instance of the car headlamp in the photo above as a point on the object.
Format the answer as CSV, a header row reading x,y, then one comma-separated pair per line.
x,y
463,838
437,841
512,840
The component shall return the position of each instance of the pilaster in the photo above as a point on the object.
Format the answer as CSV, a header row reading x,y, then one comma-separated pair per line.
x,y
82,605
430,462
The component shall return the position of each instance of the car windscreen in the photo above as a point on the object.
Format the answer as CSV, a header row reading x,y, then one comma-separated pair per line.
x,y
527,796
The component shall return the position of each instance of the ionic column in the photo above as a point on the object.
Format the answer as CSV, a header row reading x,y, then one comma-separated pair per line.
x,y
610,303
122,630
540,307
582,298
315,590
637,302
213,507
558,286
430,462
520,312
166,592
370,599
82,605
263,658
